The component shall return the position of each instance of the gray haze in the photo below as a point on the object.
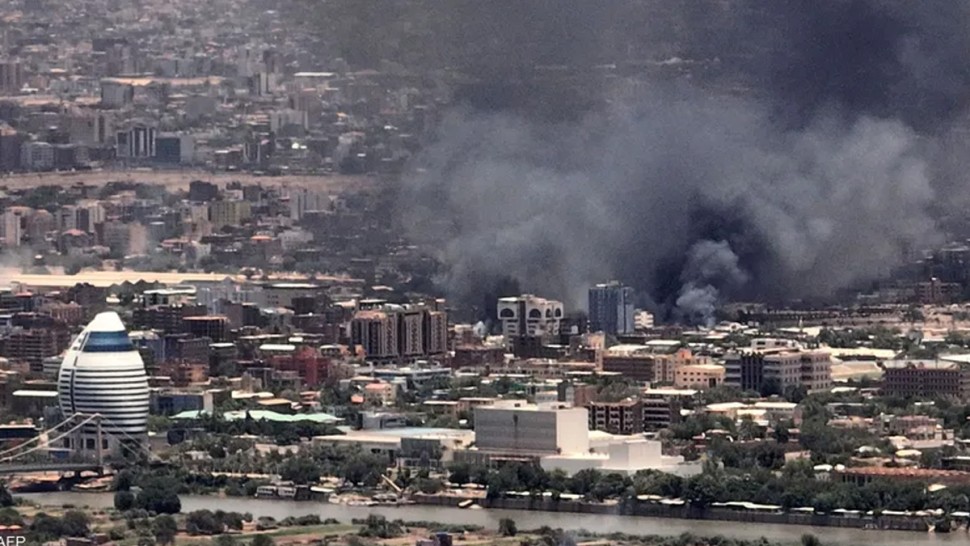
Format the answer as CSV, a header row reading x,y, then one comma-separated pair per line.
x,y
835,159
560,206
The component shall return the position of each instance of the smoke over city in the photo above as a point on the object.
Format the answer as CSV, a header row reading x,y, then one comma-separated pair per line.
x,y
820,173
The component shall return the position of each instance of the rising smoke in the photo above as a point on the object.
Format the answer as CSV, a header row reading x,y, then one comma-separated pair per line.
x,y
822,174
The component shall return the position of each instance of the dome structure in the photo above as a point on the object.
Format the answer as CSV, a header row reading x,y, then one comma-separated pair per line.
x,y
103,373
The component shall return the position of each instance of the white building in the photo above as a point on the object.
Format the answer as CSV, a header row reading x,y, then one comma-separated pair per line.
x,y
528,315
515,426
303,200
103,373
558,437
623,454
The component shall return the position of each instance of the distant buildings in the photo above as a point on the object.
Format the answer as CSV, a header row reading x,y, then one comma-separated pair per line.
x,y
611,309
926,378
558,437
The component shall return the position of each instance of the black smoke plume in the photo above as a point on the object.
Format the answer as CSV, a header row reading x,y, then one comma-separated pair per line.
x,y
809,142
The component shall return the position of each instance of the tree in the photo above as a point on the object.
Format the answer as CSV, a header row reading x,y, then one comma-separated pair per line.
x,y
225,540
378,527
507,528
75,523
158,494
301,470
124,500
203,522
262,540
164,529
810,540
6,499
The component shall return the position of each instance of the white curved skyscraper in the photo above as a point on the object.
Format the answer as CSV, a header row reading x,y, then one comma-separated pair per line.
x,y
102,373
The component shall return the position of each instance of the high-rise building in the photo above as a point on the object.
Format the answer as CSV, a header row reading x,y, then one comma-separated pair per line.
x,y
11,77
102,373
394,333
611,308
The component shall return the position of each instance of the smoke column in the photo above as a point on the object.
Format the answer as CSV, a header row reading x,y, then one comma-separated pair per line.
x,y
805,153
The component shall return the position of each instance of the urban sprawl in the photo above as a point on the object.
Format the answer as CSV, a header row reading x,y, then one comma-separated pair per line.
x,y
207,292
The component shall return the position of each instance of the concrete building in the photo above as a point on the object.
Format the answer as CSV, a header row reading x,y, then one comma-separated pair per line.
x,y
175,148
11,77
229,213
303,200
699,376
778,369
623,417
926,378
516,427
528,315
621,454
661,407
37,156
611,309
557,437
137,141
402,334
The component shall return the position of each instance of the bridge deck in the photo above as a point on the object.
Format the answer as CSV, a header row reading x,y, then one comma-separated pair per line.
x,y
47,467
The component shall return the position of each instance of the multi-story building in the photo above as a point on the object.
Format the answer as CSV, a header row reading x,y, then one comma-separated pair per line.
x,y
136,141
611,308
102,373
11,142
303,200
11,77
661,407
395,333
33,345
376,332
528,315
229,213
926,378
647,364
13,225
517,427
778,369
699,376
623,417
37,156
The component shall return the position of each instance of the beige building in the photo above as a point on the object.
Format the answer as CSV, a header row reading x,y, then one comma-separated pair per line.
x,y
229,213
699,376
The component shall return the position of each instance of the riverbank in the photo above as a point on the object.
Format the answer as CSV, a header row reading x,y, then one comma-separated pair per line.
x,y
530,519
684,511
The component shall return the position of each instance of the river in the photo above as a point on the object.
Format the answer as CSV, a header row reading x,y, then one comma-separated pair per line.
x,y
279,509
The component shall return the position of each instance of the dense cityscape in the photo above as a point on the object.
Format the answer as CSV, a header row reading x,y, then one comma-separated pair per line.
x,y
364,273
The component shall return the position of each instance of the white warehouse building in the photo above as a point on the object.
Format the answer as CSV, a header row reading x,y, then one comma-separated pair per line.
x,y
103,373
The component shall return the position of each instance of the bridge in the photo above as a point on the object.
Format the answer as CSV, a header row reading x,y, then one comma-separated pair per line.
x,y
6,469
15,461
